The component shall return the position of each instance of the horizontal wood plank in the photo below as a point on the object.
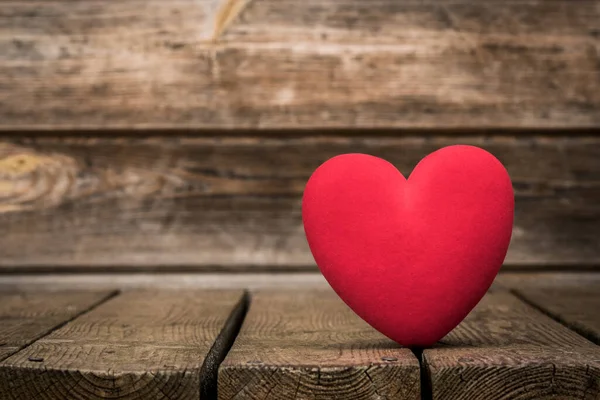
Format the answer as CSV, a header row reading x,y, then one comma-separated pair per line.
x,y
142,344
576,307
165,280
252,280
543,279
234,202
309,344
299,63
28,315
507,349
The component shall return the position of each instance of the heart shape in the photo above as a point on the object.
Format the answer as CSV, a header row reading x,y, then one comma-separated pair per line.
x,y
411,257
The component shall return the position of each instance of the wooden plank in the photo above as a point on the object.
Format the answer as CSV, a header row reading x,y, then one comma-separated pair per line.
x,y
179,202
546,279
309,344
576,307
299,64
254,280
148,344
507,349
27,316
166,280
6,351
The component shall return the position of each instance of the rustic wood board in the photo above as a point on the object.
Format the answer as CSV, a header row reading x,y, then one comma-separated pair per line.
x,y
507,349
26,316
576,307
141,344
544,279
166,280
253,280
181,202
299,63
309,344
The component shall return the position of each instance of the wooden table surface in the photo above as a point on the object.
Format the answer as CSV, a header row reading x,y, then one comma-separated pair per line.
x,y
521,342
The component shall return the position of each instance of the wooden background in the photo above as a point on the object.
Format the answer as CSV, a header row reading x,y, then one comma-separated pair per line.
x,y
215,203
177,136
165,145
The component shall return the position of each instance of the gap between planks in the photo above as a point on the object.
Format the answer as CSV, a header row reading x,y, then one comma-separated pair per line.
x,y
426,390
209,372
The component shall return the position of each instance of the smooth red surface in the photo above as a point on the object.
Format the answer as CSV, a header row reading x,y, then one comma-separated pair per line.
x,y
411,257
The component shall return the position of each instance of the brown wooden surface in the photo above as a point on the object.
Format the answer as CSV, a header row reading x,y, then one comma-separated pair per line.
x,y
505,349
576,307
25,317
256,280
170,202
302,343
309,344
299,64
139,345
545,279
165,280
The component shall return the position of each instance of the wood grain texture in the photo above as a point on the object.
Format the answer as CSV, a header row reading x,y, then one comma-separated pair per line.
x,y
505,349
139,345
577,308
299,64
310,345
28,315
235,201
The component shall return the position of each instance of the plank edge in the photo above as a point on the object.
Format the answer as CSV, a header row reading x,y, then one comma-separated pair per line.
x,y
521,295
103,299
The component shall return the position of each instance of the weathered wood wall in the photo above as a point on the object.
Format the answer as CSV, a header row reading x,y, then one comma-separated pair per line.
x,y
299,64
234,202
178,135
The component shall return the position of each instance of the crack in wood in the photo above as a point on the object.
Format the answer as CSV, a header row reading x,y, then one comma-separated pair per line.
x,y
228,12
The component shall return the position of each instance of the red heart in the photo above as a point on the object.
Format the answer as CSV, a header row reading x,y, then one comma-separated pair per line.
x,y
412,257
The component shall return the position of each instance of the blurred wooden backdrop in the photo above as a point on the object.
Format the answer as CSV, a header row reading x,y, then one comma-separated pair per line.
x,y
145,135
